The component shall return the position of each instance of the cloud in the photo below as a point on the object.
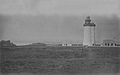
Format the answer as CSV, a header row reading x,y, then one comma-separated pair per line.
x,y
61,7
55,28
107,27
3,20
40,20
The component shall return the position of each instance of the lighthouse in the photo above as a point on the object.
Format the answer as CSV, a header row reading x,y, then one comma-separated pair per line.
x,y
89,32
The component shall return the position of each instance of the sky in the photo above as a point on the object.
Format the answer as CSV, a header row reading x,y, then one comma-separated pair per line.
x,y
57,21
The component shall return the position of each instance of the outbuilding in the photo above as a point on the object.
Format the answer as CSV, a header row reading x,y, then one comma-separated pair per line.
x,y
110,43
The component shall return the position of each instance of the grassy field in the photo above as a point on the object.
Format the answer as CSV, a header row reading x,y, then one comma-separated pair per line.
x,y
55,74
60,60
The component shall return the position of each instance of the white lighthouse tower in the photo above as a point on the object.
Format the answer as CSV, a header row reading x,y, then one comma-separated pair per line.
x,y
89,32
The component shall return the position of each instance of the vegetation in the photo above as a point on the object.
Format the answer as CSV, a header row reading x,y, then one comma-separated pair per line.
x,y
60,60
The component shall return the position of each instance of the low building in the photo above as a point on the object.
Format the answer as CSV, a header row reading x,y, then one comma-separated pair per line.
x,y
77,45
7,43
73,45
66,44
96,44
110,43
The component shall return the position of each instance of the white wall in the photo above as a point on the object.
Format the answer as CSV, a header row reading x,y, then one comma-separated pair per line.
x,y
66,44
89,35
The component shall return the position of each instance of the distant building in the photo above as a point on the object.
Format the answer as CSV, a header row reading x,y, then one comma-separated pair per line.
x,y
7,43
72,45
110,43
89,32
77,45
97,44
66,44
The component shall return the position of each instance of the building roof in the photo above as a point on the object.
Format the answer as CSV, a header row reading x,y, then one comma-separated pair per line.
x,y
111,41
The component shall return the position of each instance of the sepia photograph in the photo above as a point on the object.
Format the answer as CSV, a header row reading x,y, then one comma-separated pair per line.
x,y
59,37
